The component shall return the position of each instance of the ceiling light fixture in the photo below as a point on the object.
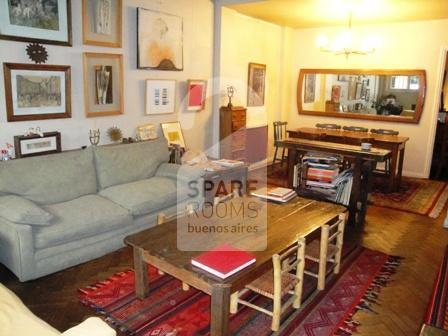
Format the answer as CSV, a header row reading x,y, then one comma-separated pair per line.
x,y
344,44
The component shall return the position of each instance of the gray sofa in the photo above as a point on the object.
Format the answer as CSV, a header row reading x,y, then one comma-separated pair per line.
x,y
61,210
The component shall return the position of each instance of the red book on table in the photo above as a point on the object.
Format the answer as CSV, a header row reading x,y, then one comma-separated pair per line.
x,y
223,261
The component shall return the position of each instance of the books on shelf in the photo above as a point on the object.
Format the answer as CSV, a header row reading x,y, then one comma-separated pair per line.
x,y
282,195
228,163
223,261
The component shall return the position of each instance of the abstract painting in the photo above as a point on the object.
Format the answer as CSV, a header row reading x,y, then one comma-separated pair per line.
x,y
44,21
102,22
310,88
35,92
160,41
196,94
256,84
172,131
103,84
160,96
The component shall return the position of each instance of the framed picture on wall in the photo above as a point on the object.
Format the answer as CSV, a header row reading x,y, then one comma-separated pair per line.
x,y
43,21
37,91
256,85
102,22
103,84
160,96
196,95
35,144
172,131
310,88
159,41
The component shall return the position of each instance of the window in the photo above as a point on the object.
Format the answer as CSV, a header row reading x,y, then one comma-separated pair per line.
x,y
404,83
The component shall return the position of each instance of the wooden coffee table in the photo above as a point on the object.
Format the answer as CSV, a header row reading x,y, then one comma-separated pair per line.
x,y
158,247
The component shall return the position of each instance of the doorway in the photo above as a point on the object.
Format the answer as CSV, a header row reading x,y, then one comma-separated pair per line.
x,y
439,165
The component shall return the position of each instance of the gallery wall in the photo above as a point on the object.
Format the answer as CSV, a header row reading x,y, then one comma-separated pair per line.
x,y
198,52
411,45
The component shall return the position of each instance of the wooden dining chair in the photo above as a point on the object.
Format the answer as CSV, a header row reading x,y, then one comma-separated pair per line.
x,y
162,218
384,169
278,283
279,135
328,249
355,129
329,126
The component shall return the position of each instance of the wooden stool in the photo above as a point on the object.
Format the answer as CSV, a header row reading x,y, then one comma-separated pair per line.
x,y
329,249
276,283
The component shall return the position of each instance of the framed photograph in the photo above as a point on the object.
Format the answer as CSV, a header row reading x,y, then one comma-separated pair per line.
x,y
160,96
103,84
37,91
43,21
196,95
173,133
256,84
34,145
102,22
146,132
310,88
159,41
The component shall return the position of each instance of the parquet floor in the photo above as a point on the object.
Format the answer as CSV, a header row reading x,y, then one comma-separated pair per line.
x,y
419,239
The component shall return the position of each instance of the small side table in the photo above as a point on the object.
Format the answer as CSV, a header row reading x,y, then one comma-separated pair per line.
x,y
221,184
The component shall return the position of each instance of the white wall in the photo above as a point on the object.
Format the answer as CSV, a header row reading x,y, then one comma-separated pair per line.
x,y
247,40
412,45
198,48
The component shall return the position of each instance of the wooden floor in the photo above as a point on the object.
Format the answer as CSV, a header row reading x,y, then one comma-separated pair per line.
x,y
419,239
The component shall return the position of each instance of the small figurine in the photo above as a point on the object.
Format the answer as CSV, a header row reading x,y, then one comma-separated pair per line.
x,y
230,93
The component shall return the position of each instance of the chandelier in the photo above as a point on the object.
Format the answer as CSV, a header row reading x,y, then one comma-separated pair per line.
x,y
345,43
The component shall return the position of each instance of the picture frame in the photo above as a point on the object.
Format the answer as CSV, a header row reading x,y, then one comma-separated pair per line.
x,y
47,24
196,95
34,145
37,91
160,96
102,23
146,132
172,131
310,88
103,84
163,32
256,85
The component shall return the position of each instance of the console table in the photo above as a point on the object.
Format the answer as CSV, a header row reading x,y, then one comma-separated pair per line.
x,y
395,144
363,161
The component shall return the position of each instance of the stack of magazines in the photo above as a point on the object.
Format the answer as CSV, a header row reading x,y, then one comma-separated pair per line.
x,y
281,195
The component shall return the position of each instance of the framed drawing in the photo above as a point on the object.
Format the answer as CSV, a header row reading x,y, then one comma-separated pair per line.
x,y
310,88
256,84
173,133
159,41
196,95
102,22
37,91
103,84
34,145
146,132
43,21
160,96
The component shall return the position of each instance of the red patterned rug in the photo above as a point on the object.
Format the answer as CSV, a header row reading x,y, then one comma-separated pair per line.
x,y
171,311
418,196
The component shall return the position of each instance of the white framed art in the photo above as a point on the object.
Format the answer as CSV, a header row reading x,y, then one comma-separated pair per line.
x,y
160,96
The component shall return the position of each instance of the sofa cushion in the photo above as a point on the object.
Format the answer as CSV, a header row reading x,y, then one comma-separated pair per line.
x,y
17,209
80,218
50,179
131,162
146,196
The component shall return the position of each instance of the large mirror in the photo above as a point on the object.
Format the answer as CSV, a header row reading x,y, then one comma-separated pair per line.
x,y
389,95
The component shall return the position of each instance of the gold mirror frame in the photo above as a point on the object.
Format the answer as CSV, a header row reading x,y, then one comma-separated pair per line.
x,y
390,118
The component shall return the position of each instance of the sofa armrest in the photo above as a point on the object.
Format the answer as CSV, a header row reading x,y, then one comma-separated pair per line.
x,y
93,326
17,248
180,172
